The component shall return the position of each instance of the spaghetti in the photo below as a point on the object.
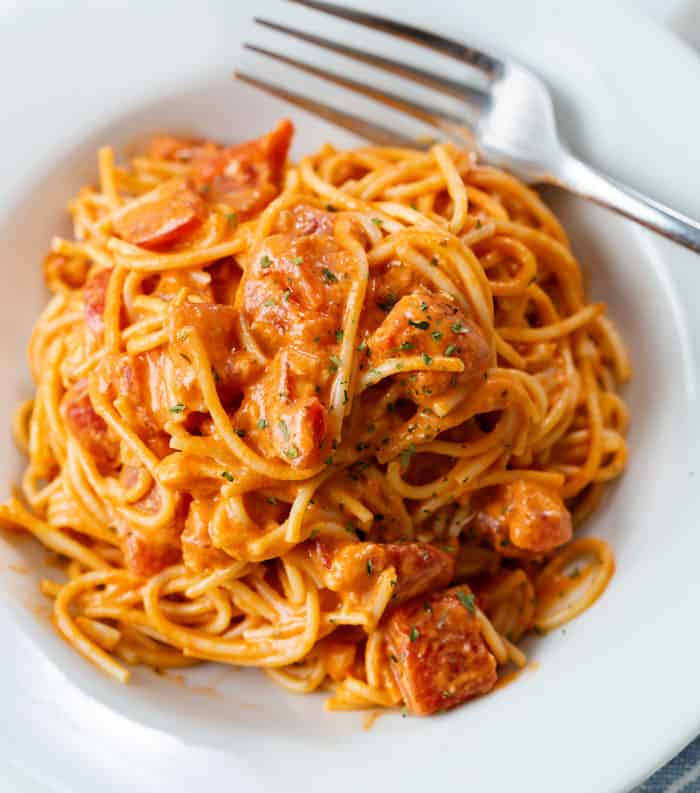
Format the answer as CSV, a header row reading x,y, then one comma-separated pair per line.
x,y
332,420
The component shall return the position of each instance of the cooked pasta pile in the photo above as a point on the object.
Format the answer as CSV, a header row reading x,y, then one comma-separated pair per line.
x,y
337,420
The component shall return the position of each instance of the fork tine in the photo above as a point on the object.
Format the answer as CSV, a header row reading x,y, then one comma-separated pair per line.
x,y
490,66
445,122
382,136
476,99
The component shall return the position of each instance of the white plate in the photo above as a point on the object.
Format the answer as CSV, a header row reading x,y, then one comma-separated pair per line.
x,y
615,694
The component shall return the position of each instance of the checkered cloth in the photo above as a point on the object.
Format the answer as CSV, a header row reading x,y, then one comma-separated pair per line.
x,y
681,775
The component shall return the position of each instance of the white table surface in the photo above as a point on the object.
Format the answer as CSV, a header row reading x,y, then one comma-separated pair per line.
x,y
683,17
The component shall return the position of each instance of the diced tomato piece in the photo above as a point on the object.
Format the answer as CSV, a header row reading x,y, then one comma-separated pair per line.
x,y
137,382
295,287
437,653
522,516
198,552
354,567
164,215
90,429
244,177
146,558
431,326
94,295
147,553
283,414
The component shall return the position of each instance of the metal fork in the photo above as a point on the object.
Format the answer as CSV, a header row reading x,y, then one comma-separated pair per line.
x,y
506,110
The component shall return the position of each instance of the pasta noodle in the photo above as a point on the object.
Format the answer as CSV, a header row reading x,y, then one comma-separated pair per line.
x,y
306,417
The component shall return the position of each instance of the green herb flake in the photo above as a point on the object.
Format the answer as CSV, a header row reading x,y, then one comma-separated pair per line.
x,y
272,500
422,325
427,359
459,327
406,345
265,262
287,294
182,335
232,218
269,303
179,408
414,635
339,334
262,424
292,452
298,260
406,455
283,429
437,335
334,364
329,277
370,567
450,350
377,221
240,433
227,475
387,302
468,601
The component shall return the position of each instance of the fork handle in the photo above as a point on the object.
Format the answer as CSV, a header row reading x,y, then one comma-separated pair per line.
x,y
585,181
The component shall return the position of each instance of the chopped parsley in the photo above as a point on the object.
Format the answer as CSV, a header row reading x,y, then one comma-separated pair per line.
x,y
232,217
422,325
177,408
406,455
182,335
437,335
377,221
339,335
450,350
329,276
262,424
283,429
334,364
269,303
287,294
240,433
298,260
227,475
459,327
427,359
387,302
467,600
265,262
215,375
423,306
292,452
427,607
406,345
370,567
272,500
414,634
